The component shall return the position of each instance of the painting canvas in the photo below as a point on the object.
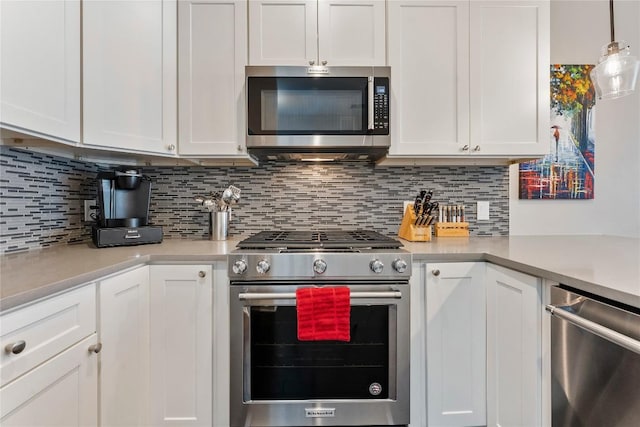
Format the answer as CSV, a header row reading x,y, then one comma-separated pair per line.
x,y
567,172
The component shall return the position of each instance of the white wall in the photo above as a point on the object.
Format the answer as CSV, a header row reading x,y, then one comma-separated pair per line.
x,y
579,28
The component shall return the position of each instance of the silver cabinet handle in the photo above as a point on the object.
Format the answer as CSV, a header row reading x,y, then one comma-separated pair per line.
x,y
435,272
252,296
465,148
595,328
476,148
324,62
95,348
15,347
312,63
202,273
171,147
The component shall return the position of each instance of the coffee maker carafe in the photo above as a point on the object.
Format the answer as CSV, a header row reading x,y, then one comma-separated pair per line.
x,y
123,209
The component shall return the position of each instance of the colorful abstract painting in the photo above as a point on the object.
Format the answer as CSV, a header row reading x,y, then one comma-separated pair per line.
x,y
567,172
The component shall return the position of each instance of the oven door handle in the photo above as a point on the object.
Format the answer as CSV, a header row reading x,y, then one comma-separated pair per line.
x,y
595,328
252,296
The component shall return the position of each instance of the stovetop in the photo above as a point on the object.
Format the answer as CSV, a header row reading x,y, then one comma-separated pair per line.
x,y
329,239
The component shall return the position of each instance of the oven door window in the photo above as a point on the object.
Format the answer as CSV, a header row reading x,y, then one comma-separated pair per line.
x,y
283,368
307,105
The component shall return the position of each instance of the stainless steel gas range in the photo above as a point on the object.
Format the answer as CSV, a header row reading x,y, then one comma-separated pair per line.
x,y
278,380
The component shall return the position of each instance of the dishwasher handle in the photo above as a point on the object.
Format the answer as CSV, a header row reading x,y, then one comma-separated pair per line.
x,y
595,328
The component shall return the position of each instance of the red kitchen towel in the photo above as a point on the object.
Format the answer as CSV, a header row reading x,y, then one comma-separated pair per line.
x,y
323,313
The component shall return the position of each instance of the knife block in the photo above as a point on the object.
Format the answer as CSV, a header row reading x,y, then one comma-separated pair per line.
x,y
411,232
452,229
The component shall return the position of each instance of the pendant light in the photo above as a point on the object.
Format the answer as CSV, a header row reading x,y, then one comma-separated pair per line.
x,y
617,71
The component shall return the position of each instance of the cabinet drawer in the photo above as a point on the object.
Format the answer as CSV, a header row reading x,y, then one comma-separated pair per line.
x,y
46,328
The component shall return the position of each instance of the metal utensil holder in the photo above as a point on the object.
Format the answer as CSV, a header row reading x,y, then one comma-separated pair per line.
x,y
219,225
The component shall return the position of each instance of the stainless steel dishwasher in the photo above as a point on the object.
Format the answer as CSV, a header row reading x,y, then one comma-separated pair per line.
x,y
595,361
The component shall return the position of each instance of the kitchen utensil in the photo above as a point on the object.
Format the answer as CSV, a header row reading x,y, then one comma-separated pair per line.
x,y
231,195
418,202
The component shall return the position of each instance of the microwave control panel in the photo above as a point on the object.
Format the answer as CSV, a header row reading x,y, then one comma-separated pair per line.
x,y
381,106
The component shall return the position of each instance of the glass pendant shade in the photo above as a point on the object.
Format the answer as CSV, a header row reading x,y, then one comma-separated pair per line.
x,y
616,74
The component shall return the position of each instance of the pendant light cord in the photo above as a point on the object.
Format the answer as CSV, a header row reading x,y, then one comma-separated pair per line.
x,y
613,31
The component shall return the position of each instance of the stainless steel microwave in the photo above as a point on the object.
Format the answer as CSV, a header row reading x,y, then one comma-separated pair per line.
x,y
330,112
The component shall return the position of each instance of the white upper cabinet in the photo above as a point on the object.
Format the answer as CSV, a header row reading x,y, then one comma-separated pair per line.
x,y
283,32
351,32
130,75
212,51
40,68
340,32
509,77
469,78
429,58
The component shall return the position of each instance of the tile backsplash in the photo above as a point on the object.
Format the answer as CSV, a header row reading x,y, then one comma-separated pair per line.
x,y
41,197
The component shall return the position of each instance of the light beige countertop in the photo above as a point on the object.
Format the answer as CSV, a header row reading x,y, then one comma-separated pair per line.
x,y
603,265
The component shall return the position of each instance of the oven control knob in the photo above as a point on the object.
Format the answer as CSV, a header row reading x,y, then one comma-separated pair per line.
x,y
239,267
263,266
319,266
400,265
376,266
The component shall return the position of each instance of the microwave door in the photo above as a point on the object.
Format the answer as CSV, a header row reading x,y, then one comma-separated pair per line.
x,y
309,106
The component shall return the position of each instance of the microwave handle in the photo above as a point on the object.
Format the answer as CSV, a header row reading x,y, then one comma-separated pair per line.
x,y
370,103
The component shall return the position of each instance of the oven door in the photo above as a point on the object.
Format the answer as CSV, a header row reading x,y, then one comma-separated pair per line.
x,y
277,380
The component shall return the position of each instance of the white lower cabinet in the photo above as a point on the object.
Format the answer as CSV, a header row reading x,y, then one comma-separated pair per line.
x,y
63,391
181,345
150,364
124,359
455,344
48,371
514,358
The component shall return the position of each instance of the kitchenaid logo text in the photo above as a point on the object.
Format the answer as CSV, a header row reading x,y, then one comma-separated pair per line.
x,y
320,412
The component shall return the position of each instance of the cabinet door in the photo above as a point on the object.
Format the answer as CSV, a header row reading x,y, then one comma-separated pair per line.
x,y
46,328
283,32
40,68
418,351
181,345
456,344
429,58
124,359
212,56
514,309
351,32
129,74
63,391
509,77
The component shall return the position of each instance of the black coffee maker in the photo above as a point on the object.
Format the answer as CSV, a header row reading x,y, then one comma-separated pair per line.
x,y
123,210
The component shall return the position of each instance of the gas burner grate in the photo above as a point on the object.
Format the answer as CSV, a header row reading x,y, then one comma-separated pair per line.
x,y
329,239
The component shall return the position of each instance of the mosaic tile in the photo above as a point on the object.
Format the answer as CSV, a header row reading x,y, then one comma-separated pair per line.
x,y
41,197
